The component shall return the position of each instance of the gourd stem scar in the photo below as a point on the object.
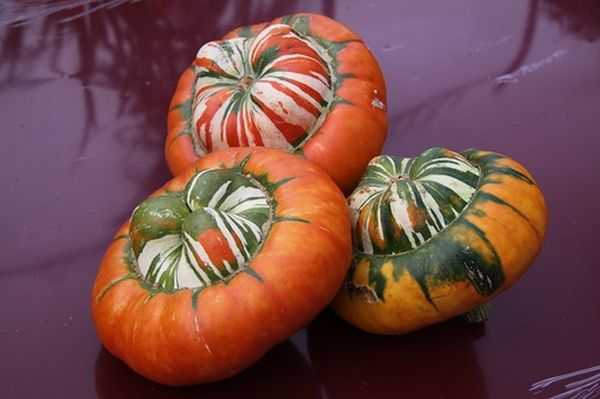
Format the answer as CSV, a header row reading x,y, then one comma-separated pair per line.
x,y
245,82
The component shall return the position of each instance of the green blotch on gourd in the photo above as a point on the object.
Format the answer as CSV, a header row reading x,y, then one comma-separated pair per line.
x,y
245,32
443,259
155,218
299,23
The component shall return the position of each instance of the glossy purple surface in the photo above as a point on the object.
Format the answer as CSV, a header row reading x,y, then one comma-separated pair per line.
x,y
83,102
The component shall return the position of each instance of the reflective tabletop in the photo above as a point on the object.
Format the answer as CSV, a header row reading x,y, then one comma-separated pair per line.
x,y
84,92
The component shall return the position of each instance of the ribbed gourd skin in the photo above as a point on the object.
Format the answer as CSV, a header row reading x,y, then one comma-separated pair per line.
x,y
226,260
436,236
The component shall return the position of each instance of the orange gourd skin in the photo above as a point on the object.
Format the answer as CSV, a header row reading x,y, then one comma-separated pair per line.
x,y
188,336
506,220
356,123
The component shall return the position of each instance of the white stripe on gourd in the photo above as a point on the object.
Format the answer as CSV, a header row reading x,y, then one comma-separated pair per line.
x,y
463,190
231,63
158,250
292,86
388,184
280,103
195,248
399,208
274,138
218,195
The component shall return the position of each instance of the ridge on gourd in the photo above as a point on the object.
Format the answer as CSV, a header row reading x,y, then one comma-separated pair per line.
x,y
303,83
437,236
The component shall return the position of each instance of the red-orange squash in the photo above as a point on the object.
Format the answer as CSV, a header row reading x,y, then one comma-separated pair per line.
x,y
222,263
437,236
302,83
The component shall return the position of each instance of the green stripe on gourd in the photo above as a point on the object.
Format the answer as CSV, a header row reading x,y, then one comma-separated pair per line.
x,y
401,203
168,231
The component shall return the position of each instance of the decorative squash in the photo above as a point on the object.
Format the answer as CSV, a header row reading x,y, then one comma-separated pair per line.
x,y
302,83
222,263
436,236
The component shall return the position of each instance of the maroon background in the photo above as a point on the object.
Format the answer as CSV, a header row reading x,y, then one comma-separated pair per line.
x,y
83,103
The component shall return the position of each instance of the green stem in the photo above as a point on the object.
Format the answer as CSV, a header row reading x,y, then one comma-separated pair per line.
x,y
479,314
